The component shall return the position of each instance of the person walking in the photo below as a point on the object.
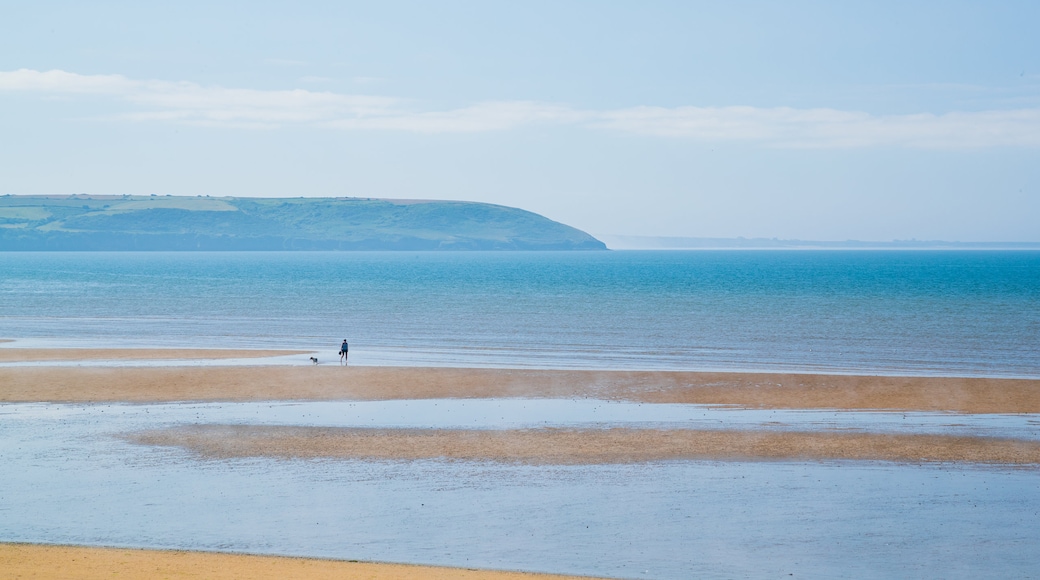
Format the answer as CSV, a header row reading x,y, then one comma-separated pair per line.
x,y
343,352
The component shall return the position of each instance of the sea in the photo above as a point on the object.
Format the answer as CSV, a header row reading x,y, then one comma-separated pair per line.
x,y
939,313
71,474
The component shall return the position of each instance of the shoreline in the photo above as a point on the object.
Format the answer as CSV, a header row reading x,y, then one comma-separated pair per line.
x,y
172,383
9,354
30,560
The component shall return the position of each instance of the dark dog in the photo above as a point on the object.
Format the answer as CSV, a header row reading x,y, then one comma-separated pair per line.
x,y
314,360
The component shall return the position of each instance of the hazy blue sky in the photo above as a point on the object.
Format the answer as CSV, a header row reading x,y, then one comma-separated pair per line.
x,y
814,120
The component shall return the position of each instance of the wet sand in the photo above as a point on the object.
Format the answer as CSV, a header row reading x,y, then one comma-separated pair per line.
x,y
556,446
582,446
82,563
123,354
332,382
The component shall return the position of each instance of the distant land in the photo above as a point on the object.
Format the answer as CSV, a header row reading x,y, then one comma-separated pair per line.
x,y
679,243
132,222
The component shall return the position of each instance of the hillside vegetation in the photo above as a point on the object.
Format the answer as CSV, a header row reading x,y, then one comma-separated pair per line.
x,y
83,222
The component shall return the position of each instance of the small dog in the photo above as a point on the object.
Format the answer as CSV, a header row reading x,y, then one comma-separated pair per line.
x,y
314,360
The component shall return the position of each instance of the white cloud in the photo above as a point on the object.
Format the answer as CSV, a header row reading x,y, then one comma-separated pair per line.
x,y
184,102
830,128
192,103
492,116
59,81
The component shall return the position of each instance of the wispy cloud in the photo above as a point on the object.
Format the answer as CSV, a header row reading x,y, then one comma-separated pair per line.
x,y
192,103
59,81
492,116
830,128
184,102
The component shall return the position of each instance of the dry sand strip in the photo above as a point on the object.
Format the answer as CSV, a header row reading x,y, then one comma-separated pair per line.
x,y
332,382
121,354
81,563
582,446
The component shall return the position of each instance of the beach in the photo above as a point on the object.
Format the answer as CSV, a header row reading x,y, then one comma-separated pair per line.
x,y
167,384
140,384
205,415
82,563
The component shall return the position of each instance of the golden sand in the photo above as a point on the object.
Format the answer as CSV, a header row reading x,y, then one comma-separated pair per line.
x,y
332,382
582,446
83,354
80,563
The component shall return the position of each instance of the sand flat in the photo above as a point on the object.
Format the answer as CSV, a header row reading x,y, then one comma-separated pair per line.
x,y
332,382
123,354
578,446
87,563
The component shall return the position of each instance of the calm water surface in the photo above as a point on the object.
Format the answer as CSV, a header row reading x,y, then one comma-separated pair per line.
x,y
70,478
913,312
66,476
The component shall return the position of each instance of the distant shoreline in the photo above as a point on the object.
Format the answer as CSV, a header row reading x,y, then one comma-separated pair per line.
x,y
183,223
615,242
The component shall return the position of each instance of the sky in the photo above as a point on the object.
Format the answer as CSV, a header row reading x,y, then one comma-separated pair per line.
x,y
813,120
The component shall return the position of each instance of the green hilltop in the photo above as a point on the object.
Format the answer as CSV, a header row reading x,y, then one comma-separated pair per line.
x,y
130,222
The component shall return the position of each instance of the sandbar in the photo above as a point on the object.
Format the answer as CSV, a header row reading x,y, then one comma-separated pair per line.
x,y
123,354
87,563
576,446
333,382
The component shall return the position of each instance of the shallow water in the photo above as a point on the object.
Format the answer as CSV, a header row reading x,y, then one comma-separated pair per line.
x,y
513,414
67,478
283,360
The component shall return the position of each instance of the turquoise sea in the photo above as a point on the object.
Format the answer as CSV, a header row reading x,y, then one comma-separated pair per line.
x,y
887,312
